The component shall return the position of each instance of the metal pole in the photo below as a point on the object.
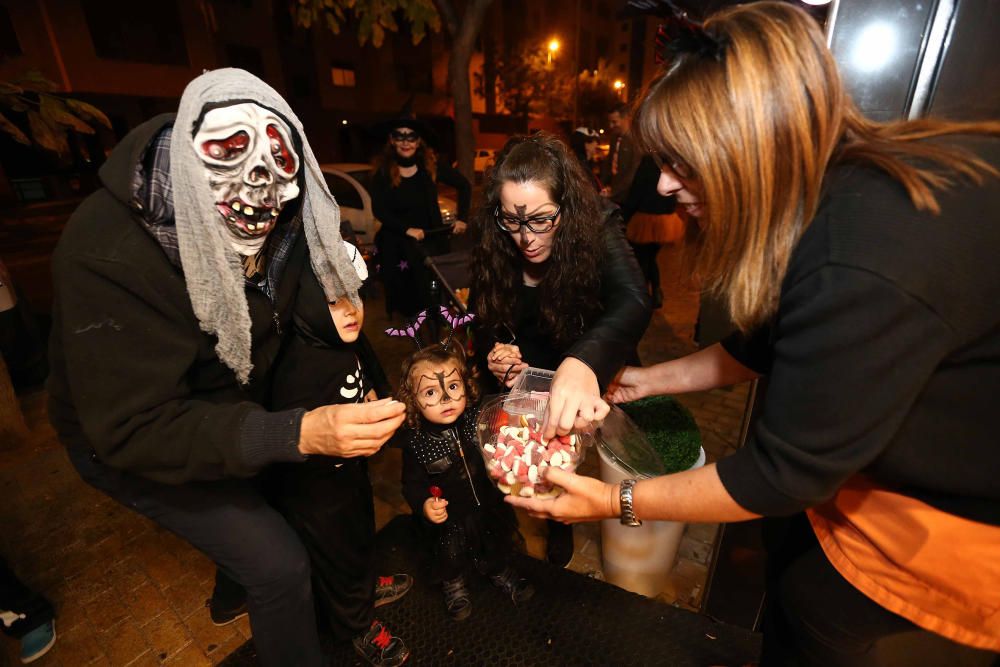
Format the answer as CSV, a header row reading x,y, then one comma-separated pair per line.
x,y
576,65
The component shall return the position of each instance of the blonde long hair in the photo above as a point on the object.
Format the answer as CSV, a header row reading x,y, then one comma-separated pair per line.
x,y
758,128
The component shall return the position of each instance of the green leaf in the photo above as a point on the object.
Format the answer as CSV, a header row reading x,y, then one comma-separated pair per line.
x,y
88,111
13,102
55,112
14,131
33,80
48,136
378,35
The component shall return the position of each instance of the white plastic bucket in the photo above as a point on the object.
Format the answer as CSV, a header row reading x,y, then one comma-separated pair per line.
x,y
638,559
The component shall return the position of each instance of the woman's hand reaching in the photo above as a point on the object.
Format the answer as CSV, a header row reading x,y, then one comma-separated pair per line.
x,y
574,399
459,227
631,384
583,499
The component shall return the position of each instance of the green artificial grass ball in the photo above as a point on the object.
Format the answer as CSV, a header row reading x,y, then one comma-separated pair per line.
x,y
670,429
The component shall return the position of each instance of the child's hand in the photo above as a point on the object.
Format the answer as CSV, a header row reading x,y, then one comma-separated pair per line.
x,y
505,362
434,510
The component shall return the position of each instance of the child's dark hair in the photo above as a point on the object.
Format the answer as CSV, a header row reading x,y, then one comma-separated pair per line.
x,y
438,354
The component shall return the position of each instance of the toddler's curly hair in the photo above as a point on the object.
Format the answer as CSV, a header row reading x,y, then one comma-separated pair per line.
x,y
437,354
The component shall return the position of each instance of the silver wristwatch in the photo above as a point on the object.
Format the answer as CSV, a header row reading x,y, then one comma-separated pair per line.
x,y
625,496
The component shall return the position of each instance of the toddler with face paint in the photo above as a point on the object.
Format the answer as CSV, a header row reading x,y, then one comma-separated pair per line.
x,y
445,482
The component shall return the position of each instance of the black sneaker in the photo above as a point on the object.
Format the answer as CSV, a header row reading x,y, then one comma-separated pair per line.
x,y
379,647
513,585
224,616
390,589
456,598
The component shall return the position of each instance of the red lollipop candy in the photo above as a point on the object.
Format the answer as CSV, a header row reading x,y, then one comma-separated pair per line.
x,y
436,491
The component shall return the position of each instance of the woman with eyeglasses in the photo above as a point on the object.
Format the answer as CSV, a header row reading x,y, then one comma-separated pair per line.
x,y
554,286
859,262
405,200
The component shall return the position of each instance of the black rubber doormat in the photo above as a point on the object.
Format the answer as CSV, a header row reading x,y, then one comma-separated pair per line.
x,y
571,620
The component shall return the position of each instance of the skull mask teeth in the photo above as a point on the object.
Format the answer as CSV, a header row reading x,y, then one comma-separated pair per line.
x,y
251,166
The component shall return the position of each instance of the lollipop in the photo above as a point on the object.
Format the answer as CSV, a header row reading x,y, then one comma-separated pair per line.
x,y
435,491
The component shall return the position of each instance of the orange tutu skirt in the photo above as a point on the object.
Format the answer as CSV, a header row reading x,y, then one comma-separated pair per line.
x,y
658,228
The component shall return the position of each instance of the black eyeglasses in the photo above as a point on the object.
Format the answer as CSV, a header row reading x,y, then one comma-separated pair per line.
x,y
536,225
411,137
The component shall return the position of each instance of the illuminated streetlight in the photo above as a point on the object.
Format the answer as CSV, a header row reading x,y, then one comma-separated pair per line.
x,y
619,84
553,46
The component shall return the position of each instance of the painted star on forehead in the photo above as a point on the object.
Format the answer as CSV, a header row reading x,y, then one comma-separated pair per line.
x,y
403,265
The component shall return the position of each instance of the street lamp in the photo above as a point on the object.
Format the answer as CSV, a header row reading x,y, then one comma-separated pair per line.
x,y
619,86
553,46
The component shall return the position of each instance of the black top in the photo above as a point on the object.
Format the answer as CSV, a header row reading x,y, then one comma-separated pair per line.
x,y
133,376
414,203
884,356
433,455
611,338
643,197
316,366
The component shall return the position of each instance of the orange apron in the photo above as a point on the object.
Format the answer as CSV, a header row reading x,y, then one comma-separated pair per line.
x,y
940,571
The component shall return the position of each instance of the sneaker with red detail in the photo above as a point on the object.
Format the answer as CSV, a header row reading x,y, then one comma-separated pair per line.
x,y
389,589
379,647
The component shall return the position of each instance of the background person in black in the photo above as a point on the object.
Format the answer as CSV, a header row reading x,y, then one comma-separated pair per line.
x,y
405,201
650,222
554,285
858,260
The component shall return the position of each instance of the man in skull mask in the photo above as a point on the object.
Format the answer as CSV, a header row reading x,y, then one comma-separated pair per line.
x,y
174,290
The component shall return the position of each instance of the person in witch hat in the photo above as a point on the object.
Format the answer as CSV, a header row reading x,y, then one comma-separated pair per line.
x,y
405,200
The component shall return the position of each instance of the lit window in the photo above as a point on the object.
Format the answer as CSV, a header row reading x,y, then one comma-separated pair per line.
x,y
342,77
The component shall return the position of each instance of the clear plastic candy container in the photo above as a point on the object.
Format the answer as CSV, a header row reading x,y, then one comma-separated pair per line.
x,y
515,453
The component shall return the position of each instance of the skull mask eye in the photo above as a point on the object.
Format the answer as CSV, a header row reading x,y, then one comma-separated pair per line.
x,y
279,150
228,148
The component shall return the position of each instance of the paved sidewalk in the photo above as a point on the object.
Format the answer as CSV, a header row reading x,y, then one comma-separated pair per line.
x,y
129,593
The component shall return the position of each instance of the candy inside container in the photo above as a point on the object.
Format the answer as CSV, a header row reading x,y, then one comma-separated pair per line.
x,y
516,455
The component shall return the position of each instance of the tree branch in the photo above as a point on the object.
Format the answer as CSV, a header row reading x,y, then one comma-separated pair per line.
x,y
447,11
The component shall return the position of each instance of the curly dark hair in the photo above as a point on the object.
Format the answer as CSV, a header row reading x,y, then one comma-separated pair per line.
x,y
568,293
435,354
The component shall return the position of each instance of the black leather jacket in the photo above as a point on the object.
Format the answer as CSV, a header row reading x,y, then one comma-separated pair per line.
x,y
611,338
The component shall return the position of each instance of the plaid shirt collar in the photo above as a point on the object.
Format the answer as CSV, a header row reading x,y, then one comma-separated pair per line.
x,y
153,201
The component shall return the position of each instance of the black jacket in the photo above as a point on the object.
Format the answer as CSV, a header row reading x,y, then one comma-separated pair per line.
x,y
133,377
611,338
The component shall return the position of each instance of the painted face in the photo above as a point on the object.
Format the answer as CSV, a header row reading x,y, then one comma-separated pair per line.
x,y
527,201
348,319
251,164
405,141
440,391
685,188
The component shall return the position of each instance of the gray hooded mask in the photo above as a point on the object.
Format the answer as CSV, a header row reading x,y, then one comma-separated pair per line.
x,y
212,269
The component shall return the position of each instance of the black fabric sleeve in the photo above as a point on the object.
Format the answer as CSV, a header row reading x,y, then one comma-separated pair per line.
x,y
613,337
382,194
416,481
451,176
852,352
128,353
752,349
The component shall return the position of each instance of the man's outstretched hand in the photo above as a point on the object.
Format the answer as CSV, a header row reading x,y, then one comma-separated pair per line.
x,y
354,429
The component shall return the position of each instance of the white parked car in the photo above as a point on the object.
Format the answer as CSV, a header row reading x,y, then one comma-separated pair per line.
x,y
350,185
483,159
